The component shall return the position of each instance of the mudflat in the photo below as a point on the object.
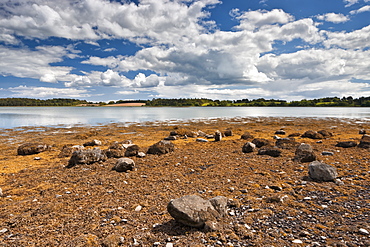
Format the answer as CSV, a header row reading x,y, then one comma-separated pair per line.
x,y
272,200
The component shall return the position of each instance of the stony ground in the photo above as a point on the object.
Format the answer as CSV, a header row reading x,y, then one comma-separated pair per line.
x,y
272,203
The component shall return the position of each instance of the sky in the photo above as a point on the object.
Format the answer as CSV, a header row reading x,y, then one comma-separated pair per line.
x,y
101,50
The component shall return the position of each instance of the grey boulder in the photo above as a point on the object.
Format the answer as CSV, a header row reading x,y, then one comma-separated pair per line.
x,y
322,172
87,157
124,164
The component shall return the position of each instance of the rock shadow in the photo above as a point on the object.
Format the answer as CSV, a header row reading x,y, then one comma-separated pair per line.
x,y
174,228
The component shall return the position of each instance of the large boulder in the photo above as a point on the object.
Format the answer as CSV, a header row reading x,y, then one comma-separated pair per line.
x,y
86,157
194,211
32,148
124,164
116,150
304,153
248,147
161,147
322,172
228,132
364,142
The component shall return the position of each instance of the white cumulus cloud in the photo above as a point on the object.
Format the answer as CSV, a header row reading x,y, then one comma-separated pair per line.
x,y
333,17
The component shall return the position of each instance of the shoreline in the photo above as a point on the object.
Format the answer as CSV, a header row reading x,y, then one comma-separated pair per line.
x,y
45,203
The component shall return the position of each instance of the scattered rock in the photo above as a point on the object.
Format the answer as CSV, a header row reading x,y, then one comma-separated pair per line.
x,y
161,147
210,136
218,136
364,142
201,133
194,211
362,132
201,140
132,150
123,165
116,150
304,153
247,136
280,132
322,172
32,148
325,133
67,150
286,143
312,134
141,154
220,204
1,192
347,144
92,143
170,138
271,151
363,231
249,147
228,132
86,157
260,142
327,153
294,134
173,133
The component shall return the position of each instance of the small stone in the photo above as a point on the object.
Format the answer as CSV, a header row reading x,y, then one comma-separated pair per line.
x,y
218,136
201,140
327,153
297,241
363,231
1,193
4,230
156,243
170,138
37,158
138,208
248,147
169,245
141,155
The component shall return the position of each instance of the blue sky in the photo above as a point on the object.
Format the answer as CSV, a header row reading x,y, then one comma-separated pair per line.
x,y
102,50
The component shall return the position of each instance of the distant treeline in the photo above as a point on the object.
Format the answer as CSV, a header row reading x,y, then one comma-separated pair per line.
x,y
39,102
328,101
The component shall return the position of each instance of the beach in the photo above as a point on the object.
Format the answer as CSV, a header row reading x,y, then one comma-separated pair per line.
x,y
272,201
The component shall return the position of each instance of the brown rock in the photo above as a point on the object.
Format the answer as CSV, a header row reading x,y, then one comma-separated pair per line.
x,y
304,153
32,148
247,136
161,147
260,142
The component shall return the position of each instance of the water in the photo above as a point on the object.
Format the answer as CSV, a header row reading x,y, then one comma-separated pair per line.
x,y
11,117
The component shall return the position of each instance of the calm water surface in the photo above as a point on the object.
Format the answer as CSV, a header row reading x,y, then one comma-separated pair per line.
x,y
11,117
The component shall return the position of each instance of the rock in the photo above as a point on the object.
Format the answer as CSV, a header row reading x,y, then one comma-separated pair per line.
x,y
1,192
304,153
68,150
286,143
201,133
92,143
247,136
347,144
248,147
201,140
271,151
161,147
141,154
218,136
362,132
210,136
364,142
260,142
294,134
363,231
325,133
32,148
173,133
88,156
116,150
280,132
220,204
170,138
123,165
312,134
132,150
322,172
228,132
192,210
327,153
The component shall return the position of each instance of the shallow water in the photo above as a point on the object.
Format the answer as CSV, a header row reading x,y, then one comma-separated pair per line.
x,y
11,117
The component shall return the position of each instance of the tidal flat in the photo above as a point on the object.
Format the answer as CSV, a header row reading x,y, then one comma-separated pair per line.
x,y
272,200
